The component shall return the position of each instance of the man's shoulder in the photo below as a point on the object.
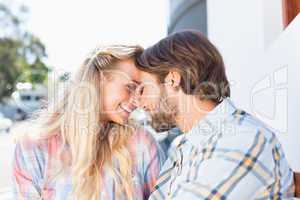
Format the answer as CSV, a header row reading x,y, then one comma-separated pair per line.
x,y
238,132
244,127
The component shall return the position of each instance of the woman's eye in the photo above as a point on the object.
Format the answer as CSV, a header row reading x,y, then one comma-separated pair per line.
x,y
131,87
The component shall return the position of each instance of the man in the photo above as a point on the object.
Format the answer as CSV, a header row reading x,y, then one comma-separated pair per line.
x,y
223,152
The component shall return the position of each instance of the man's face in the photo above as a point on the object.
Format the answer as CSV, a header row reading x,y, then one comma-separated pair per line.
x,y
154,98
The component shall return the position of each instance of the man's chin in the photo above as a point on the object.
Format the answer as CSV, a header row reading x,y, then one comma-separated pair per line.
x,y
162,121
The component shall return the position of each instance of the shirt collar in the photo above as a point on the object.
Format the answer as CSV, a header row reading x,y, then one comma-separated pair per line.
x,y
211,124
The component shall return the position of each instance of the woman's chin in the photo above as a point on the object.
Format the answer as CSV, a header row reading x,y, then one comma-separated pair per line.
x,y
121,119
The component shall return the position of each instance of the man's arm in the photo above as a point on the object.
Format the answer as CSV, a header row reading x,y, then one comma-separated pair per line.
x,y
254,168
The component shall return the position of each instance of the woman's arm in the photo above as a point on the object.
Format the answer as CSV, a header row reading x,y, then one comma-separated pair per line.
x,y
27,171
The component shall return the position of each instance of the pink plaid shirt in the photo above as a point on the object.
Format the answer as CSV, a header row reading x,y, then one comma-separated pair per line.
x,y
35,162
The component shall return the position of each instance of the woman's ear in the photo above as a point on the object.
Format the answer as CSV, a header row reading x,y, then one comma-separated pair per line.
x,y
173,78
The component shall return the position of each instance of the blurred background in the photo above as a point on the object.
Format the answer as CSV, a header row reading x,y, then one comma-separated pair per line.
x,y
43,42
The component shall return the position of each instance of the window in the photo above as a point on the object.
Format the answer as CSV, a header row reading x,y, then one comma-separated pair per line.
x,y
291,8
25,98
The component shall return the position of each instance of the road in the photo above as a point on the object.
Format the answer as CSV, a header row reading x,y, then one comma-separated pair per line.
x,y
6,153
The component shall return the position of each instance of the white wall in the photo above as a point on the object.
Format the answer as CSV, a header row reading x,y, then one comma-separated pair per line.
x,y
273,23
263,63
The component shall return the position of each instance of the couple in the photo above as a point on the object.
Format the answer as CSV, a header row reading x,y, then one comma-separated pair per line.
x,y
83,147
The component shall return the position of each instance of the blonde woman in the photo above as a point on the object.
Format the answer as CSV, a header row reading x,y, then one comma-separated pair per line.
x,y
81,146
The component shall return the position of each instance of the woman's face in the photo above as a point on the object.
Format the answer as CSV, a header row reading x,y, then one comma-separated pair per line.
x,y
118,92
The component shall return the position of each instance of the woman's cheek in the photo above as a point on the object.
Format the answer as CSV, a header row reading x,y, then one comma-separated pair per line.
x,y
109,97
118,95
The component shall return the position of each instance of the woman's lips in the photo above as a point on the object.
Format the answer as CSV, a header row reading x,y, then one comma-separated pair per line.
x,y
126,108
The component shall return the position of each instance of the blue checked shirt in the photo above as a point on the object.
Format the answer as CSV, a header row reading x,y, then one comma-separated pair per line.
x,y
228,155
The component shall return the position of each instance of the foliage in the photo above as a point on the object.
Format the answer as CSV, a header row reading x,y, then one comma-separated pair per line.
x,y
22,54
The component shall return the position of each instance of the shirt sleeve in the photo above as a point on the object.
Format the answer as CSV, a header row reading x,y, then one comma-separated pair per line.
x,y
27,171
255,169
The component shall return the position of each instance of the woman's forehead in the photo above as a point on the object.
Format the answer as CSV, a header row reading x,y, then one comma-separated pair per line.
x,y
126,69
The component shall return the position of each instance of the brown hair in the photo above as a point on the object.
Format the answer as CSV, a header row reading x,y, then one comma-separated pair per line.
x,y
197,60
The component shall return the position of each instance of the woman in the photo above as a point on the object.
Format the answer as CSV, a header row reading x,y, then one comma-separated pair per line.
x,y
80,147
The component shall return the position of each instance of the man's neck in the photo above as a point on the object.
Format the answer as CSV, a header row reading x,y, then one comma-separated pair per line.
x,y
191,110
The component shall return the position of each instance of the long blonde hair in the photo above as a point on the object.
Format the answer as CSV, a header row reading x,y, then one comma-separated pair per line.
x,y
76,118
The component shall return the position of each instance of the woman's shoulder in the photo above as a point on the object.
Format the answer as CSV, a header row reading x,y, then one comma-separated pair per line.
x,y
31,141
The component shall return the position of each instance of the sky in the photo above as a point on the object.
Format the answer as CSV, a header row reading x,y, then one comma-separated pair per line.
x,y
71,28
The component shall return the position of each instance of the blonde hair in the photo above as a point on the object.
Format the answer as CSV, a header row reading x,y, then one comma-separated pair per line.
x,y
92,146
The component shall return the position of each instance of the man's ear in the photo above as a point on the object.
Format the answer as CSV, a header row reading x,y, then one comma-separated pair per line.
x,y
173,78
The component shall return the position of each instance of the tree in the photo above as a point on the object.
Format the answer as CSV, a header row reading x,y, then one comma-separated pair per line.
x,y
8,57
22,54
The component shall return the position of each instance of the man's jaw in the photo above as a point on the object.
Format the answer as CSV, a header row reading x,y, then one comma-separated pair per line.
x,y
162,121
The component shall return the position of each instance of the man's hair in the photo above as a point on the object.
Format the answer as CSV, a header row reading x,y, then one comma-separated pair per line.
x,y
195,58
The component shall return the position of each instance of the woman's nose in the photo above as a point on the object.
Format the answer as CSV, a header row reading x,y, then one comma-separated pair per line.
x,y
135,101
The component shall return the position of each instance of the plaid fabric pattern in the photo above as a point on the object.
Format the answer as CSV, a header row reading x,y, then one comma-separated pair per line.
x,y
228,155
36,164
166,142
